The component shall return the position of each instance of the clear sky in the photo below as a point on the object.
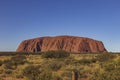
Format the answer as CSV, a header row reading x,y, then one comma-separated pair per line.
x,y
25,19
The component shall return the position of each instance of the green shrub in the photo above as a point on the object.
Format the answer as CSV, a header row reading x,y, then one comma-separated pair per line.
x,y
114,75
1,71
56,78
48,76
55,54
8,71
118,62
8,64
66,74
19,76
45,76
98,76
34,73
31,72
19,59
93,60
14,61
109,66
83,74
55,65
87,61
105,57
1,62
69,60
84,61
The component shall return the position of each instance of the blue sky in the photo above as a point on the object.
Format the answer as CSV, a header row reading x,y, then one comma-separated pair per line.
x,y
25,19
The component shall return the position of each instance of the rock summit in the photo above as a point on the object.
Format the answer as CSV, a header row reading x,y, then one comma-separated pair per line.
x,y
66,43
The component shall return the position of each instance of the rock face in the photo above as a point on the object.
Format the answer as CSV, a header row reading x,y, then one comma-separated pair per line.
x,y
67,43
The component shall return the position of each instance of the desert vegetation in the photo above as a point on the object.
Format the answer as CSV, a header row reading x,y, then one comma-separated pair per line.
x,y
59,65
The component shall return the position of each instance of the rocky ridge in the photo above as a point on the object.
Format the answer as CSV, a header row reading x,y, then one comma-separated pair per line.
x,y
67,43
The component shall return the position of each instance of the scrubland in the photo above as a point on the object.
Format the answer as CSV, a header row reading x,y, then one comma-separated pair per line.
x,y
59,65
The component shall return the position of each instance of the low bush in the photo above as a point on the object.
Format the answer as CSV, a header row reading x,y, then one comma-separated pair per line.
x,y
67,74
69,60
56,78
83,74
55,66
45,76
34,73
85,61
19,59
1,62
105,57
8,71
14,62
110,71
114,75
19,76
8,64
48,76
55,54
31,72
1,71
109,66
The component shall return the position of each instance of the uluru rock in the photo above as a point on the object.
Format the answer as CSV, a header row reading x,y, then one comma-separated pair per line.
x,y
66,43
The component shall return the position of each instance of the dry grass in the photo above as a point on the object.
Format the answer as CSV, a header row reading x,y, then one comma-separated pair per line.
x,y
85,69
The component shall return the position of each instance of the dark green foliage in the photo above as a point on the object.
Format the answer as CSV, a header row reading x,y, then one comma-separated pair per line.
x,y
105,57
8,64
55,66
109,66
69,60
82,74
14,62
8,71
98,76
53,63
111,71
84,61
56,78
19,76
67,74
18,53
114,75
31,72
34,73
55,54
1,62
93,60
45,76
18,60
118,62
1,71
